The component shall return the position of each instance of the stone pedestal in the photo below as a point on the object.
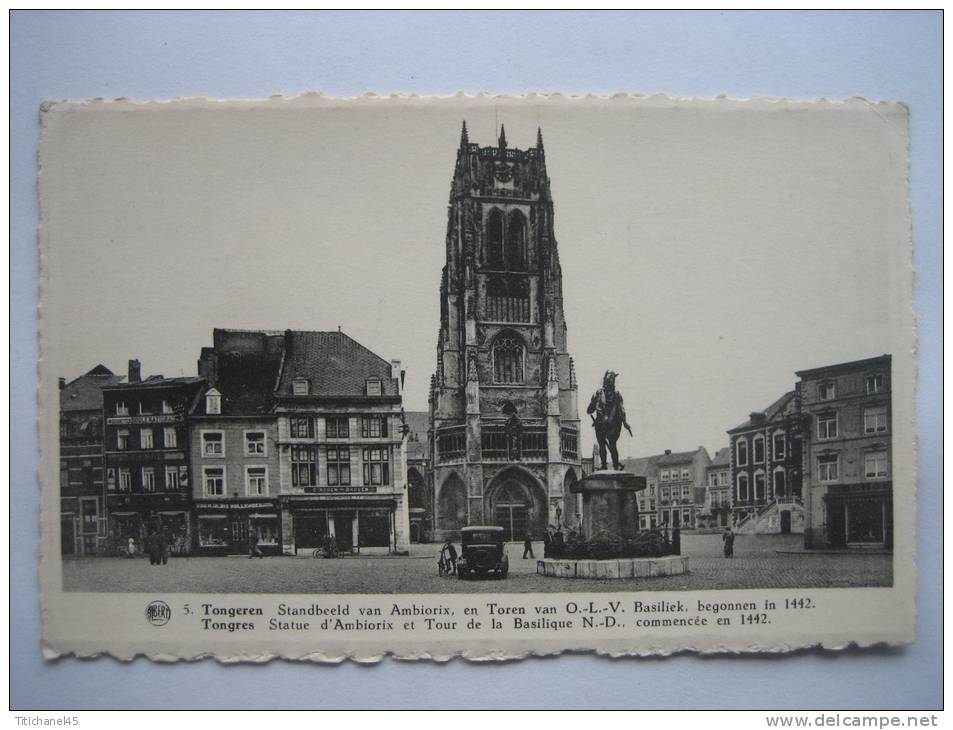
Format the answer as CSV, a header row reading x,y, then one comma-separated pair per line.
x,y
610,507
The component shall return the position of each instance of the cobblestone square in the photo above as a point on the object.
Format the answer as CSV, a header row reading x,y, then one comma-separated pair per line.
x,y
757,564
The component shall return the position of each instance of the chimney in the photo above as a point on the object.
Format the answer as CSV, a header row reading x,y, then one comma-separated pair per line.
x,y
62,383
396,375
757,419
135,371
668,452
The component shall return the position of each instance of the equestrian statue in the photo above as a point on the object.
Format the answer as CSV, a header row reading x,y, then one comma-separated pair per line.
x,y
608,418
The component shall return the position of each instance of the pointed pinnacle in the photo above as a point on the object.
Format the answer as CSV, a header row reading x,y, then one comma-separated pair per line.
x,y
464,139
539,138
502,136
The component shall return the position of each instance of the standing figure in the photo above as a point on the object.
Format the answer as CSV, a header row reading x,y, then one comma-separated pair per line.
x,y
451,557
528,545
729,539
608,418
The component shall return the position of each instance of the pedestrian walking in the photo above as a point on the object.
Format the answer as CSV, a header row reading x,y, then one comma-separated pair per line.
x,y
131,547
729,539
528,545
451,553
254,549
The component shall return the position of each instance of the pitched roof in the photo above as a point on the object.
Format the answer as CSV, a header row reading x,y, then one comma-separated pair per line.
x,y
782,407
721,458
158,381
418,447
676,457
642,466
85,393
335,364
246,382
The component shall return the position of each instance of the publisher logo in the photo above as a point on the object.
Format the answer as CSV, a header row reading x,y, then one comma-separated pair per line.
x,y
158,613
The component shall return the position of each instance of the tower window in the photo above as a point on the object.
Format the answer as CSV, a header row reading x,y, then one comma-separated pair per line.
x,y
516,242
494,239
507,299
508,357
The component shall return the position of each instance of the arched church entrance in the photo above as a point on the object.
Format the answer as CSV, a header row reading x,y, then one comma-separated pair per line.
x,y
452,504
516,502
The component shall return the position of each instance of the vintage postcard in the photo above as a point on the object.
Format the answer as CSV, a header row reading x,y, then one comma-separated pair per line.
x,y
485,377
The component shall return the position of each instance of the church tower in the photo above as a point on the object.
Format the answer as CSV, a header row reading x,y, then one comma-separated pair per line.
x,y
504,423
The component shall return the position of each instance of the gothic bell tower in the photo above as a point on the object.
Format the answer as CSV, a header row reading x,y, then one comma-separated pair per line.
x,y
503,399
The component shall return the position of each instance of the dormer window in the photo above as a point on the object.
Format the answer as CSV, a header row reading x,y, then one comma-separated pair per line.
x,y
213,402
373,386
301,386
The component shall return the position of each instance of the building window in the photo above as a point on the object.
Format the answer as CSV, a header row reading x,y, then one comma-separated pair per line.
x,y
121,408
875,464
214,479
663,476
758,444
166,407
826,391
213,444
508,356
90,515
213,402
827,467
741,452
507,299
759,486
686,474
742,487
376,466
875,383
169,437
145,408
373,386
172,480
303,466
780,483
301,386
875,419
494,239
125,479
255,444
339,466
338,427
663,494
373,426
827,426
302,427
145,438
148,479
256,481
686,492
122,439
777,446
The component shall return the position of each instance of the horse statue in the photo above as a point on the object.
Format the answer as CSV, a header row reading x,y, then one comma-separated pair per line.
x,y
608,418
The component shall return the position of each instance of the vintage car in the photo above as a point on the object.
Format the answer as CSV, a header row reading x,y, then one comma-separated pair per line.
x,y
482,552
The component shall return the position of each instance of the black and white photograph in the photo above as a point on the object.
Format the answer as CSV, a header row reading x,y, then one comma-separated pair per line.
x,y
403,347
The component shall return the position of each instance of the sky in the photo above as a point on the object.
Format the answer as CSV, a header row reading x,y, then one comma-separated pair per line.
x,y
709,249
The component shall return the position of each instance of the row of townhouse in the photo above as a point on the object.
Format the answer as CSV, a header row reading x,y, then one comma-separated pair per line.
x,y
816,461
283,439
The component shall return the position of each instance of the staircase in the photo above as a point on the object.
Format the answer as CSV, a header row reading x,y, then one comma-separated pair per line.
x,y
768,519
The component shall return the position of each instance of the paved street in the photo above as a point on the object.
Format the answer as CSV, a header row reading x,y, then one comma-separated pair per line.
x,y
756,564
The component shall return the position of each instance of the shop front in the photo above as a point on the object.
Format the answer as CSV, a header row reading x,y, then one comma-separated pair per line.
x,y
136,516
860,516
233,527
355,524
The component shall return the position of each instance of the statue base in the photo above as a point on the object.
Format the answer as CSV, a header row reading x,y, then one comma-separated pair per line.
x,y
617,569
610,507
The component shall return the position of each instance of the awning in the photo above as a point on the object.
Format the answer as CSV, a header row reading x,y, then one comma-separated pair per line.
x,y
213,517
123,514
171,512
260,516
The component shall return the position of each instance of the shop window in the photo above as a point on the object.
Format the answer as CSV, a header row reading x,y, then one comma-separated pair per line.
x,y
172,480
373,426
302,427
376,466
214,478
303,466
148,479
875,464
256,481
213,444
255,444
169,438
213,531
122,439
827,426
875,419
145,438
339,466
266,530
827,467
337,427
125,480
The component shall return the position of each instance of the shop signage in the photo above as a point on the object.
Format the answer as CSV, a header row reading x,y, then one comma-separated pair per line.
x,y
234,505
133,420
340,490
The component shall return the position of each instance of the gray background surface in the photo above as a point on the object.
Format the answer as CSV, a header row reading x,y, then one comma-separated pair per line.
x,y
144,55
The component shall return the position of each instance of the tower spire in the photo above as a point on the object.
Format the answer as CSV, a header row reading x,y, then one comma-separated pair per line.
x,y
539,138
464,139
502,136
